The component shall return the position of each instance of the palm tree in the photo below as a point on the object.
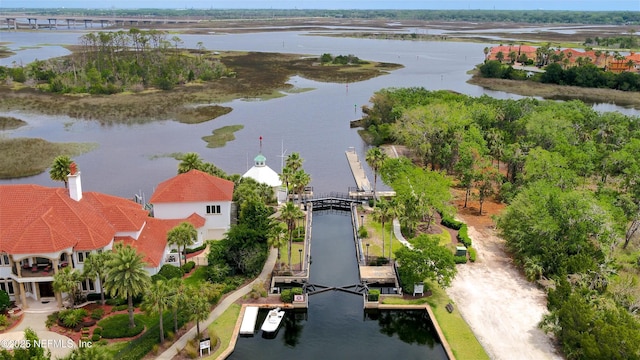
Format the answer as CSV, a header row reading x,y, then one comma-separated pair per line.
x,y
94,268
60,169
289,214
67,281
285,177
189,162
177,298
197,303
486,51
126,276
182,235
375,158
277,237
158,298
630,64
381,214
300,181
500,56
294,162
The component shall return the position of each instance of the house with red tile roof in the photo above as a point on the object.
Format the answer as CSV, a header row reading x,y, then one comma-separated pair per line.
x,y
44,229
196,192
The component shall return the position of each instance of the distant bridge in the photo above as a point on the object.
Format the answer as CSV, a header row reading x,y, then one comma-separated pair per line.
x,y
16,21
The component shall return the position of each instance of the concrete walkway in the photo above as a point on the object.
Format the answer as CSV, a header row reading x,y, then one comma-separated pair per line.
x,y
34,318
398,234
221,307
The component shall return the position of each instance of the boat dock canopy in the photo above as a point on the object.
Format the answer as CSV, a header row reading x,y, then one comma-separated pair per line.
x,y
249,320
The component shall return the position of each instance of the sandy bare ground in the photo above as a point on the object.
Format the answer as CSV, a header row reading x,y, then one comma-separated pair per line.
x,y
501,306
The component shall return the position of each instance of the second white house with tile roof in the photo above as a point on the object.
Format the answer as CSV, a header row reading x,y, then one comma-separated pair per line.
x,y
200,193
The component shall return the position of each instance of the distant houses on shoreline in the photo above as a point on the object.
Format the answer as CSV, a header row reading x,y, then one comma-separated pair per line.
x,y
607,60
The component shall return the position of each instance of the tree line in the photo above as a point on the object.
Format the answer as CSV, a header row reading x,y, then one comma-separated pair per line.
x,y
571,177
585,74
113,62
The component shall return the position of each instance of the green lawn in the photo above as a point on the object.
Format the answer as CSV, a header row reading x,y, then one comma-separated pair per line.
x,y
198,276
295,258
461,339
223,327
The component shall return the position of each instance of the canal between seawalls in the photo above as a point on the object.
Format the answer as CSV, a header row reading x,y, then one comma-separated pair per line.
x,y
335,326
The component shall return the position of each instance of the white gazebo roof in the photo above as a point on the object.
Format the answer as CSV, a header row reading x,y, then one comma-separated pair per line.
x,y
261,173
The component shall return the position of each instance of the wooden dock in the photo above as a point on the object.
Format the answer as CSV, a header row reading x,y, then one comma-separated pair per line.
x,y
362,182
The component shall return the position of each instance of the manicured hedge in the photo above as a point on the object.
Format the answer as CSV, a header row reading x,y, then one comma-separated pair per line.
x,y
460,259
374,295
451,223
195,249
140,347
186,268
170,272
473,254
463,236
117,326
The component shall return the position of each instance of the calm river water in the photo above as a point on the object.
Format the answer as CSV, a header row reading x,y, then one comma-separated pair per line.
x,y
130,158
335,326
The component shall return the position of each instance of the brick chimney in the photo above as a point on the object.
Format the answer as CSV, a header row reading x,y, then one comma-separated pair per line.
x,y
75,185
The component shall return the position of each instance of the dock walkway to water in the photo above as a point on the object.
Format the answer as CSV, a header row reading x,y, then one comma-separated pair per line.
x,y
362,182
249,320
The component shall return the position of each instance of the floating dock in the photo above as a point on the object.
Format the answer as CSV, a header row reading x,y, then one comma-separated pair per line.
x,y
362,182
249,320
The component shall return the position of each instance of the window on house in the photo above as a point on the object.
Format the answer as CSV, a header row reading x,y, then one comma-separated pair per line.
x,y
7,286
5,260
83,255
213,209
88,285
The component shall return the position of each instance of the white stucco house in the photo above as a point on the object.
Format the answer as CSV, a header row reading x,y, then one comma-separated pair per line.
x,y
196,192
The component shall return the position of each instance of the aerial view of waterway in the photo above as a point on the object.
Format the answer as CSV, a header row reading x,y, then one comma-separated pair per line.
x,y
335,325
132,159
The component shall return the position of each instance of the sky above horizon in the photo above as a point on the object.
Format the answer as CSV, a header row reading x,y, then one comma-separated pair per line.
x,y
578,5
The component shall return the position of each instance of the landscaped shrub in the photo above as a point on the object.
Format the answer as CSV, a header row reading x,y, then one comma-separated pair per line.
x,y
140,347
463,236
460,259
451,223
71,318
363,233
120,307
157,277
170,272
115,301
195,249
96,297
97,330
4,321
473,253
5,301
296,291
374,295
97,314
51,319
286,296
95,337
117,326
186,268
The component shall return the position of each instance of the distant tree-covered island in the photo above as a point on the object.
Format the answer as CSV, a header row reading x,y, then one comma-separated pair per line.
x,y
138,76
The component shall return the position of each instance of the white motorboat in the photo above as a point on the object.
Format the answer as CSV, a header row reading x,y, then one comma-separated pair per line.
x,y
272,322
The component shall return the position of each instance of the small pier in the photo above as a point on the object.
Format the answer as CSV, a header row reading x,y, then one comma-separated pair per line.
x,y
362,182
249,320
